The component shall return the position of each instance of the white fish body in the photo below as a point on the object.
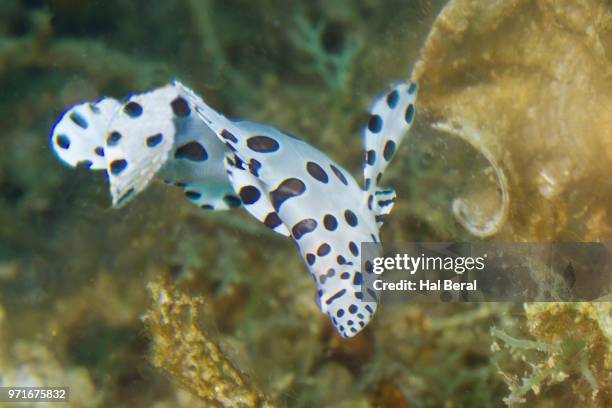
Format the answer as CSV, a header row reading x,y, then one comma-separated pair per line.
x,y
316,200
284,182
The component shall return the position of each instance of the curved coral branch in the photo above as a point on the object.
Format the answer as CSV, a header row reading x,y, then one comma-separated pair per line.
x,y
461,209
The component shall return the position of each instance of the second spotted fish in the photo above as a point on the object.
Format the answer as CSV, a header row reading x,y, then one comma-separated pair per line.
x,y
287,184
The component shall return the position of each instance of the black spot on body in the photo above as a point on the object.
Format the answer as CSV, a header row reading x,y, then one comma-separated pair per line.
x,y
370,157
341,260
317,172
345,275
412,89
154,140
350,218
384,203
132,109
99,151
84,164
94,108
180,107
117,166
125,196
78,120
113,138
303,227
310,259
191,151
232,201
288,188
207,207
336,296
254,167
330,222
375,123
272,220
409,116
227,135
357,279
262,144
238,163
340,312
368,183
339,174
63,141
249,194
353,248
352,309
323,249
389,150
392,99
193,195
370,201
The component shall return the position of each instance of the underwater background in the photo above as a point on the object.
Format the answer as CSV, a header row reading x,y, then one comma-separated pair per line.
x,y
161,304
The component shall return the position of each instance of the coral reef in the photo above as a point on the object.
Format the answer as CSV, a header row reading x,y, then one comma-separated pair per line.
x,y
580,359
182,347
540,110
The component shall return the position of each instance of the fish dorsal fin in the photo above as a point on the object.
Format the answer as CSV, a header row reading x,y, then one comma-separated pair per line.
x,y
391,117
77,138
140,138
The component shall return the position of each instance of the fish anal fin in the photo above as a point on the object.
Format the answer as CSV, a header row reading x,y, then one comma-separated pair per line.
x,y
380,201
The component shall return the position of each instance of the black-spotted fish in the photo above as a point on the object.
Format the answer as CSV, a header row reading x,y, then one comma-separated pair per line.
x,y
287,184
295,189
153,134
